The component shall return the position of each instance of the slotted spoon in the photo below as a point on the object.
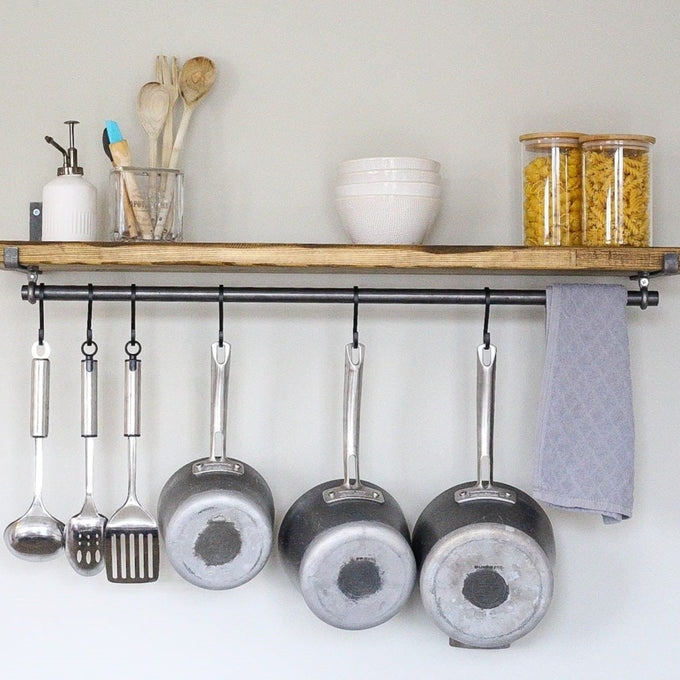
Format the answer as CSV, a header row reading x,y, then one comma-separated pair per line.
x,y
85,531
131,545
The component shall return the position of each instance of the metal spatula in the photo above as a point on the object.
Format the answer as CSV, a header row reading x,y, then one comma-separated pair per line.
x,y
131,543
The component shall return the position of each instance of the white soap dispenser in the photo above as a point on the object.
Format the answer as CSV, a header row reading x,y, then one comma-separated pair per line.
x,y
69,200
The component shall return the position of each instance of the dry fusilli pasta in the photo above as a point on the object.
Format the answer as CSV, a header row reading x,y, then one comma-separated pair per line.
x,y
552,197
616,191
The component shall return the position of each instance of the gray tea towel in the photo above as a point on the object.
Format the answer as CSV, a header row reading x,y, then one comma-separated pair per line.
x,y
585,434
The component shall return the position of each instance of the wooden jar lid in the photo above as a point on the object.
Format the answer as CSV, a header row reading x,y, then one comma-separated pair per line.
x,y
547,140
624,140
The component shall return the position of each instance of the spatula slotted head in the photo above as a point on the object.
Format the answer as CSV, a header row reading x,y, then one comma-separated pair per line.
x,y
132,556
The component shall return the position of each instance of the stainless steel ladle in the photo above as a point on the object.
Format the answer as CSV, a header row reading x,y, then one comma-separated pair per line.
x,y
37,535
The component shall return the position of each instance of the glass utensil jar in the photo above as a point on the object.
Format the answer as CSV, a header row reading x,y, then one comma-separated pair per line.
x,y
617,190
146,204
551,169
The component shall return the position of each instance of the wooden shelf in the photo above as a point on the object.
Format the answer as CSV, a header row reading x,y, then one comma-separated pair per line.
x,y
254,257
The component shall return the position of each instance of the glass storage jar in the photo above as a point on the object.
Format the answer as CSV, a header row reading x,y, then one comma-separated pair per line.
x,y
551,169
617,190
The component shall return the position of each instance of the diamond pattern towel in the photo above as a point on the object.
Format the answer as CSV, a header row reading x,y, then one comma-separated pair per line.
x,y
585,434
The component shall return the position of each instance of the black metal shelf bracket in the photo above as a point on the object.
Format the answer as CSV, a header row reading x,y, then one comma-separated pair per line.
x,y
669,267
10,258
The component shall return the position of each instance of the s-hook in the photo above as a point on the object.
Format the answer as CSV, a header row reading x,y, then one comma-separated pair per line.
x,y
132,347
487,308
220,302
89,347
41,317
355,319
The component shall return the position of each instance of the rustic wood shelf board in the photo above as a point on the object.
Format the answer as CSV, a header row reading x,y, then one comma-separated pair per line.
x,y
242,257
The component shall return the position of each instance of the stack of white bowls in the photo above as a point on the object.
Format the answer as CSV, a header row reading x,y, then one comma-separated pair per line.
x,y
388,199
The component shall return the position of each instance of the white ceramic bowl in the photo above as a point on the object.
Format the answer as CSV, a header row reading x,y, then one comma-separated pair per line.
x,y
387,219
365,176
389,163
393,188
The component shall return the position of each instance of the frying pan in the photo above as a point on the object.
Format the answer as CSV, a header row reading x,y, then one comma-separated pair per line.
x,y
485,550
216,514
345,543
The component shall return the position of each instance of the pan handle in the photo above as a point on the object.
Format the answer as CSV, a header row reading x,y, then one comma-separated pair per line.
x,y
219,385
486,389
352,488
485,489
354,370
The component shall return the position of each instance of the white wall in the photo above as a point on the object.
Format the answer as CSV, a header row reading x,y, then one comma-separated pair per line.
x,y
301,86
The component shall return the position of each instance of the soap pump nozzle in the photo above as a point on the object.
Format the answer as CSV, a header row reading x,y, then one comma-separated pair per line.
x,y
70,166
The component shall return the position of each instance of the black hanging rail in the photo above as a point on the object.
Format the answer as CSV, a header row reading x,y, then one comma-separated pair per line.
x,y
33,291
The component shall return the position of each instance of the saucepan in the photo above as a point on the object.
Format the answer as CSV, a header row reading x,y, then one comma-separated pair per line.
x,y
485,550
216,514
346,543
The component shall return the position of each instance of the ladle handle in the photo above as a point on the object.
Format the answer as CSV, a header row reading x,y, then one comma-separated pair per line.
x,y
486,387
221,357
133,406
88,397
40,388
354,365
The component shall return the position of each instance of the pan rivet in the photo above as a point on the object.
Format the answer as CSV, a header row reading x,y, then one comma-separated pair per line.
x,y
331,494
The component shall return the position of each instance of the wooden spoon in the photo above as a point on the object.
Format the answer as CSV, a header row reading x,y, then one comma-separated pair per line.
x,y
195,81
153,104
